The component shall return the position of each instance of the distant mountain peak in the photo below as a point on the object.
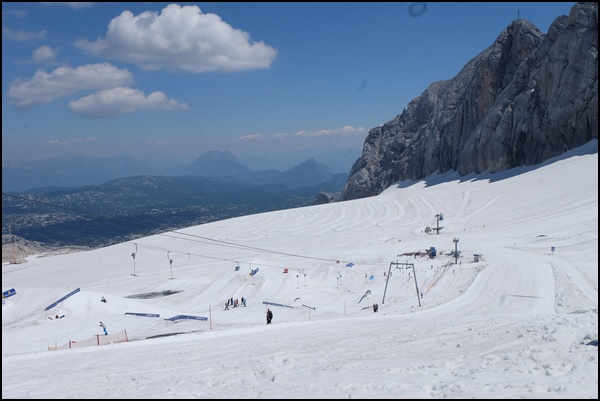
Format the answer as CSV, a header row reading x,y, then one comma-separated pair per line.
x,y
217,163
216,155
308,171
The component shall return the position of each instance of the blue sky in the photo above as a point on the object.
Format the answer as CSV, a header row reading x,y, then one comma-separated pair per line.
x,y
279,82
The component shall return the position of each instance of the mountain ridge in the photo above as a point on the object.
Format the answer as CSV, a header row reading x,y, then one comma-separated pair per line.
x,y
77,171
524,99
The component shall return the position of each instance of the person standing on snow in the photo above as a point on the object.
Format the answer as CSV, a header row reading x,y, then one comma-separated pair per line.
x,y
269,316
103,328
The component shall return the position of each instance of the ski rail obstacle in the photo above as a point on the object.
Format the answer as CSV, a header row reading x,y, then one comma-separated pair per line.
x,y
189,317
75,291
143,314
275,304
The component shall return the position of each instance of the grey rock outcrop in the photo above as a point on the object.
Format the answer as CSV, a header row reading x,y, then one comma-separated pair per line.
x,y
323,198
528,97
15,249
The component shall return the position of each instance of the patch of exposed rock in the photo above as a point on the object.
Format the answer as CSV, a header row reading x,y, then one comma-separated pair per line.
x,y
15,249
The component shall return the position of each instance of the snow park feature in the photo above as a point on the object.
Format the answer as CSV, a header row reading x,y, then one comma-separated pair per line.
x,y
186,317
75,291
143,314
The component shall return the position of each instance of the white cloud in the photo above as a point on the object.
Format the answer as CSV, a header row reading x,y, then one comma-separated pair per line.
x,y
63,81
72,4
43,54
122,100
252,137
14,13
280,135
344,132
65,142
21,35
180,38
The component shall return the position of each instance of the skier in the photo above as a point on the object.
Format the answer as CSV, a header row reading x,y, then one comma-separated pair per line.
x,y
103,328
269,316
375,307
103,300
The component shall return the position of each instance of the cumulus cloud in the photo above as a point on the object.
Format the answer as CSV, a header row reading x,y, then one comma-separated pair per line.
x,y
180,38
43,54
63,81
122,100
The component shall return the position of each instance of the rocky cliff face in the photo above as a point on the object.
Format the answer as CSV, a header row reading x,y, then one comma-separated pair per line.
x,y
526,98
15,249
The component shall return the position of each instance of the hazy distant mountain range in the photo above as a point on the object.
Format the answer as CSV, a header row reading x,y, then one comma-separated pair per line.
x,y
224,165
214,187
76,171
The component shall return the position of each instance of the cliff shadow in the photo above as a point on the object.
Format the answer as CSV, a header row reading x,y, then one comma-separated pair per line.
x,y
438,178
